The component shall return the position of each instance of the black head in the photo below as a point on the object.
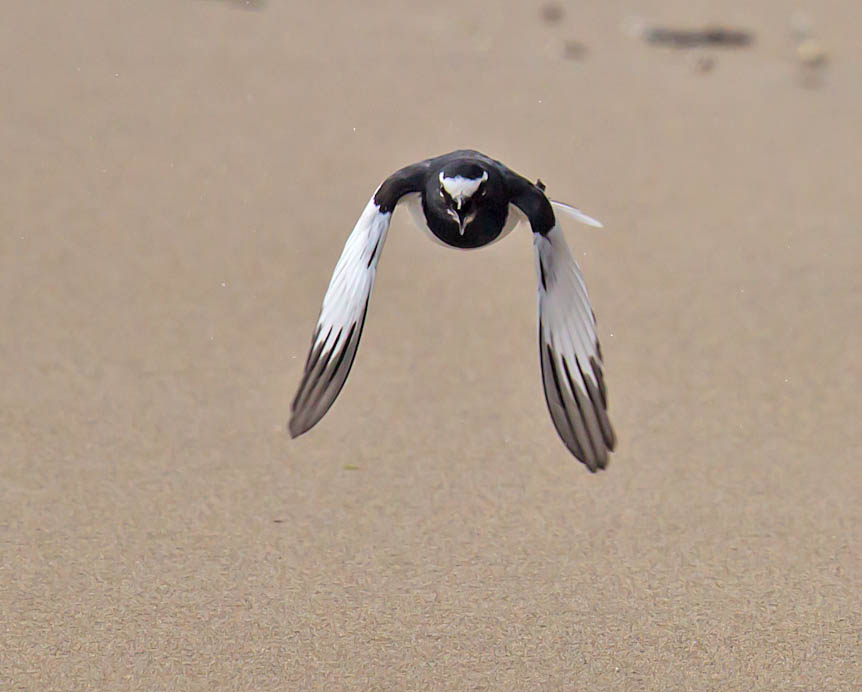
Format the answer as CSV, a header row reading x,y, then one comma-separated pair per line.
x,y
465,204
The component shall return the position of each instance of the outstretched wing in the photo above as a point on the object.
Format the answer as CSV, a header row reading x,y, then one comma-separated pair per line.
x,y
339,327
570,353
568,347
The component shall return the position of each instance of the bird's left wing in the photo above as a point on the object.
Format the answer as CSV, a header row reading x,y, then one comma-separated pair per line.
x,y
569,353
339,327
568,346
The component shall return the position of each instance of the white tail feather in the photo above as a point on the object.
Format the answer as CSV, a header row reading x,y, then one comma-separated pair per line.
x,y
576,214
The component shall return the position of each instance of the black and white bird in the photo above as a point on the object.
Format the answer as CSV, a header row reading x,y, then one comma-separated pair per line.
x,y
467,200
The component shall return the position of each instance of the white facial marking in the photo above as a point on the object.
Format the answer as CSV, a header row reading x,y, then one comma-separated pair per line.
x,y
460,188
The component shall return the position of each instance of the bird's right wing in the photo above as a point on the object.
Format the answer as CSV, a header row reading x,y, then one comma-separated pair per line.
x,y
342,317
339,327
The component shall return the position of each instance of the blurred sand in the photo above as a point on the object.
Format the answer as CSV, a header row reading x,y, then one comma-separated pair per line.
x,y
177,182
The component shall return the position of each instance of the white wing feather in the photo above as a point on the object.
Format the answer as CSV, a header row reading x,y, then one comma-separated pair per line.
x,y
342,317
570,354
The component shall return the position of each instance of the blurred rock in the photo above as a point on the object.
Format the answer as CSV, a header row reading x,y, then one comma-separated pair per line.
x,y
812,59
575,50
552,12
248,4
704,63
691,38
811,53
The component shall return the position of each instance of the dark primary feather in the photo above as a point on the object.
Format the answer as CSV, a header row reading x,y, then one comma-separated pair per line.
x,y
326,370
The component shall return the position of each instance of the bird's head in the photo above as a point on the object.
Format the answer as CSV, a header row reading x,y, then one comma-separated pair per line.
x,y
461,193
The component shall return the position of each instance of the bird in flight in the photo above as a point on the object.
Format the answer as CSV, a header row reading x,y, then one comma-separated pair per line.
x,y
465,200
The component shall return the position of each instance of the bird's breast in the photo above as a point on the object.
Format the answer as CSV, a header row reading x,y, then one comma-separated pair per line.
x,y
485,227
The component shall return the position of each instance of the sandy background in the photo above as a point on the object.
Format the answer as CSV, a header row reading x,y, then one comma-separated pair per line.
x,y
176,182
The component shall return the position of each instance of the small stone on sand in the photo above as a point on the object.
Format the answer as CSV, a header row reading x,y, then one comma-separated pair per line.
x,y
552,12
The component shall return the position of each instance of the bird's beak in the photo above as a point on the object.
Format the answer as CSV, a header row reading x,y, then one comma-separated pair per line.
x,y
463,216
462,220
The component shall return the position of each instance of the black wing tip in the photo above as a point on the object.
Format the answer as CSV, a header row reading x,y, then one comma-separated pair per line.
x,y
298,425
595,465
294,429
580,417
320,387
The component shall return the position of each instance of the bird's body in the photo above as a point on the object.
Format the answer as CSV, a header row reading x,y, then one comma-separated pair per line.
x,y
467,200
